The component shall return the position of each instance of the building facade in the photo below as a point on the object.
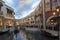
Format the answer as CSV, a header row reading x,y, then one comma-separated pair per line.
x,y
6,16
52,12
49,13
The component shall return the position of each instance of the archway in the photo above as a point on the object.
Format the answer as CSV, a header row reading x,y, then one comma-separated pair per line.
x,y
53,23
47,22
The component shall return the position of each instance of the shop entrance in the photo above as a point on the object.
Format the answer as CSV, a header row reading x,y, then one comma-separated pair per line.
x,y
9,24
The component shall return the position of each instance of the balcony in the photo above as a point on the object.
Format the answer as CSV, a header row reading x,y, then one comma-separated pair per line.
x,y
1,13
9,16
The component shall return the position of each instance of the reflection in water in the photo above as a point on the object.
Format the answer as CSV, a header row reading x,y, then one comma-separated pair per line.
x,y
20,36
6,36
31,37
37,36
25,35
28,35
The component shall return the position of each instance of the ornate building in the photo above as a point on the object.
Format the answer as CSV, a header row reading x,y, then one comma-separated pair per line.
x,y
6,16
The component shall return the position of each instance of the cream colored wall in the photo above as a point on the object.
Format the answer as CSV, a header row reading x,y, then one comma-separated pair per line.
x,y
4,10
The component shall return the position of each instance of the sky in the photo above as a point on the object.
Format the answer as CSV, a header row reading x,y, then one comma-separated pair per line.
x,y
22,8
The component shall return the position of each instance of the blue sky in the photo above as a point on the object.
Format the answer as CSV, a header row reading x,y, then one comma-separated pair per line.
x,y
22,8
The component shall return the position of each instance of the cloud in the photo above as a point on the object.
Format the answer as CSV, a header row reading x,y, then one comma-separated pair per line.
x,y
21,15
9,1
28,1
24,2
34,5
31,11
21,4
24,13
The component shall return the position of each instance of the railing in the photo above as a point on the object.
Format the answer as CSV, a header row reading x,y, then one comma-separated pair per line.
x,y
31,29
10,15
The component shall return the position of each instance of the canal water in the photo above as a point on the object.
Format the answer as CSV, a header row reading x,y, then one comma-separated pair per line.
x,y
30,35
25,35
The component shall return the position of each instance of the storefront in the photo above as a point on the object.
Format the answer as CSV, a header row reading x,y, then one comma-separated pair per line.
x,y
9,23
1,23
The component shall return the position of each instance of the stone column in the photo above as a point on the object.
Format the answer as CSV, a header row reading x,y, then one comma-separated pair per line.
x,y
44,27
13,26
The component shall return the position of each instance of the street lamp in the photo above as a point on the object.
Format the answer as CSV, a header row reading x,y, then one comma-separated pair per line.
x,y
57,10
54,13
